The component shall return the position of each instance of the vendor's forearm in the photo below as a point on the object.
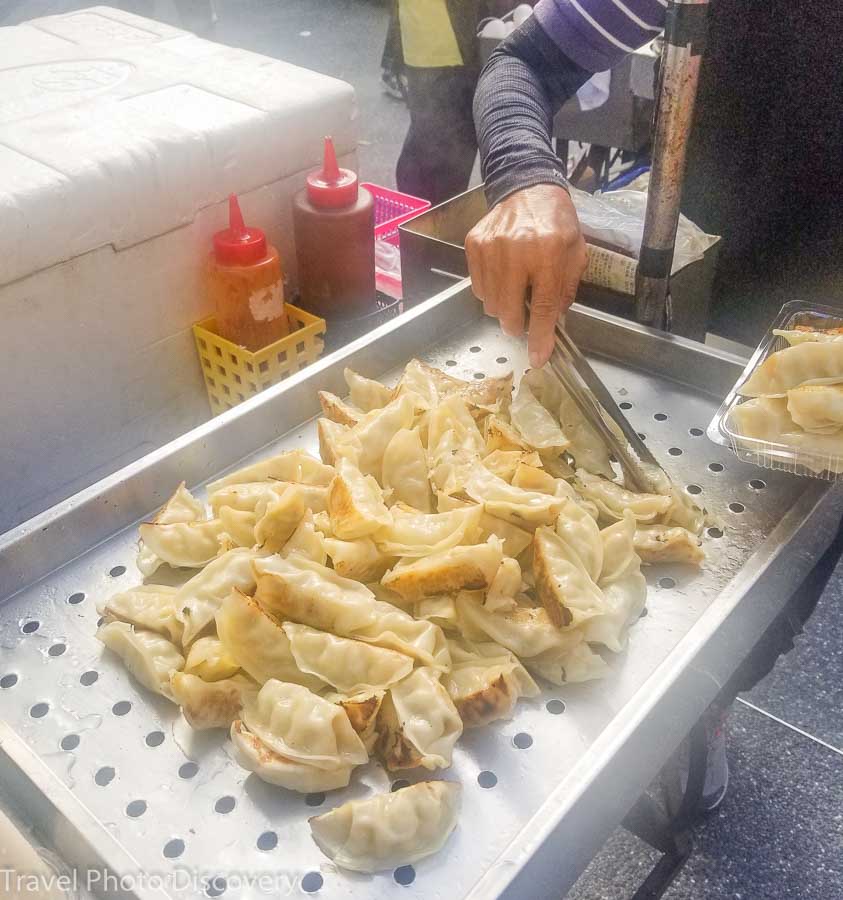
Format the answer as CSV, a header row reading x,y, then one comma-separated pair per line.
x,y
525,81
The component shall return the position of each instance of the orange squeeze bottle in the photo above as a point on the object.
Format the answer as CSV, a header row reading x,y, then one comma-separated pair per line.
x,y
246,284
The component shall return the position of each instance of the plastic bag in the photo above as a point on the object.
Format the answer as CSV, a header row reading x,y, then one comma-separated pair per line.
x,y
617,218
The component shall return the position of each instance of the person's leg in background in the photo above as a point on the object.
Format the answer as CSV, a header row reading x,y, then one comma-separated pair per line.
x,y
439,151
439,47
393,77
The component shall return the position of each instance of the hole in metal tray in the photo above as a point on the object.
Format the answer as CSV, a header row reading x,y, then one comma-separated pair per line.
x,y
173,849
8,681
217,886
78,597
57,650
30,627
404,875
121,708
522,740
86,679
104,776
555,706
225,805
267,841
312,882
487,779
155,739
188,770
39,710
70,742
136,809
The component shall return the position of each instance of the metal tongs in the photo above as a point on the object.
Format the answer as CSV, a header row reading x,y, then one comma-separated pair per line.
x,y
641,470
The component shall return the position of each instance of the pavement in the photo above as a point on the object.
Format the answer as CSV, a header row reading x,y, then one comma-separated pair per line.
x,y
779,833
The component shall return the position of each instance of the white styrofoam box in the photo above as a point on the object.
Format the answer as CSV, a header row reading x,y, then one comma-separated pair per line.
x,y
120,139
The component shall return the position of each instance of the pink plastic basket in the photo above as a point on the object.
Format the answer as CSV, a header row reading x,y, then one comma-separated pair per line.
x,y
392,208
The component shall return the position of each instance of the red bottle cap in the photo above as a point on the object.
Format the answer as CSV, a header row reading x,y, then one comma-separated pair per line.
x,y
238,245
333,187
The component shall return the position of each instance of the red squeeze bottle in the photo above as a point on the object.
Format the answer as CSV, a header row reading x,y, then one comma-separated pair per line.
x,y
334,221
246,284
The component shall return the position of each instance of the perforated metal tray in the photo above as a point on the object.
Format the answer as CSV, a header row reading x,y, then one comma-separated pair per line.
x,y
541,791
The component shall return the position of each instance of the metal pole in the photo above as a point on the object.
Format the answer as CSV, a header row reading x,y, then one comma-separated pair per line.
x,y
684,39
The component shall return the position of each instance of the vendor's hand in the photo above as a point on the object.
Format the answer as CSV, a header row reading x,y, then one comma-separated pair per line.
x,y
531,239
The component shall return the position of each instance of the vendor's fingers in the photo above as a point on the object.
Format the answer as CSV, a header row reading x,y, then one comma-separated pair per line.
x,y
544,313
475,257
577,262
510,300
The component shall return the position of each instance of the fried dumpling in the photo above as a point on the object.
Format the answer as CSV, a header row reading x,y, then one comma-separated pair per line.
x,y
298,590
303,727
525,509
467,567
372,434
280,518
290,465
209,660
486,685
404,470
182,545
307,540
419,723
811,362
579,532
440,609
211,704
817,408
526,631
504,463
668,544
182,507
350,666
515,539
362,710
256,496
360,559
613,499
622,585
148,656
365,393
148,606
415,534
254,755
258,643
388,830
568,665
534,423
238,528
803,333
563,585
584,444
505,586
501,435
338,410
355,503
200,597
336,442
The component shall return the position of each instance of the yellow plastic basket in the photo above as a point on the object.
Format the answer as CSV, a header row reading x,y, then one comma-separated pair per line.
x,y
233,373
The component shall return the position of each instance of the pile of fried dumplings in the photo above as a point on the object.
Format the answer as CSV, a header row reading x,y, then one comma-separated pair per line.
x,y
455,546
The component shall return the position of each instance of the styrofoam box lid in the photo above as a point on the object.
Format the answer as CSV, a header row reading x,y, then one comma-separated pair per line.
x,y
115,129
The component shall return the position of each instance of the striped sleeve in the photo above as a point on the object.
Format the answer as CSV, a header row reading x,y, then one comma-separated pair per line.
x,y
597,34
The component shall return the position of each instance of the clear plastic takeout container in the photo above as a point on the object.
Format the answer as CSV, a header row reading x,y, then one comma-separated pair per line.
x,y
770,454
